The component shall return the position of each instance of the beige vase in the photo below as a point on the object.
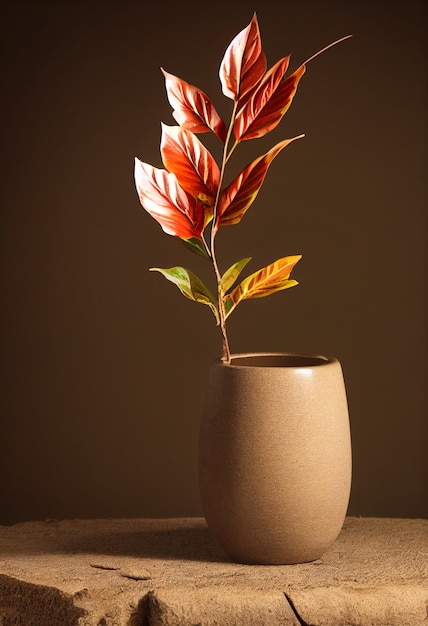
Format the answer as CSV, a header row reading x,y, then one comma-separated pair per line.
x,y
275,456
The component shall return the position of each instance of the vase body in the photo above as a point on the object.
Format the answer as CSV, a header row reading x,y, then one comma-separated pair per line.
x,y
275,456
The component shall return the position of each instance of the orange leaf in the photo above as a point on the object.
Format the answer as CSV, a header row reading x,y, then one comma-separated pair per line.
x,y
193,110
236,199
244,62
265,108
268,280
195,168
179,213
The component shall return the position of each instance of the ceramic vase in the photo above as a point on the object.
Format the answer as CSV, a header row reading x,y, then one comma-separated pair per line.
x,y
275,456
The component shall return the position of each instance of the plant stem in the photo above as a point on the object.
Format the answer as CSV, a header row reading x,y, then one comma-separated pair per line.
x,y
226,349
330,45
214,226
208,251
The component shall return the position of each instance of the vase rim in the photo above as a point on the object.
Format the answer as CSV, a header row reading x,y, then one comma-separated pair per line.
x,y
294,360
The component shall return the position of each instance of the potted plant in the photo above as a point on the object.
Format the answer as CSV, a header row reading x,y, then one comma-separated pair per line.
x,y
275,457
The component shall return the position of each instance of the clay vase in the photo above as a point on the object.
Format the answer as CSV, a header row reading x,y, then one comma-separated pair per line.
x,y
275,456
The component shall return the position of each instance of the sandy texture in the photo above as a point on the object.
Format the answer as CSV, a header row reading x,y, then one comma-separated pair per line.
x,y
137,572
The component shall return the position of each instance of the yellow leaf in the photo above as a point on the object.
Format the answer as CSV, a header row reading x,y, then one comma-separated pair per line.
x,y
268,280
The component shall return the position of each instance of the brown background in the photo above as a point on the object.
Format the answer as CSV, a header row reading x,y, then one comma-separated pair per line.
x,y
103,363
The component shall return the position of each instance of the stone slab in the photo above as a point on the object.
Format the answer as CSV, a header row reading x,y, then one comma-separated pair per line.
x,y
170,572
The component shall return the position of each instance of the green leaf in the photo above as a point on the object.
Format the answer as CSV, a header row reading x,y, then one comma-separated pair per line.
x,y
190,286
230,275
195,245
228,305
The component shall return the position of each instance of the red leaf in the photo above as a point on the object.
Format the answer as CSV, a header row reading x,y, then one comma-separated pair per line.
x,y
193,109
269,102
177,212
269,82
236,199
244,62
195,168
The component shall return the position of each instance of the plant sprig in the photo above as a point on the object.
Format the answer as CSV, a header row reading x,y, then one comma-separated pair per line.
x,y
187,196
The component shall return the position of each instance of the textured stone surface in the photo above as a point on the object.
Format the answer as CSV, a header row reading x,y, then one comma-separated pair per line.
x,y
170,573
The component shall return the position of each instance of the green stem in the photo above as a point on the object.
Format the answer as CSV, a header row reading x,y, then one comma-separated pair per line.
x,y
226,349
